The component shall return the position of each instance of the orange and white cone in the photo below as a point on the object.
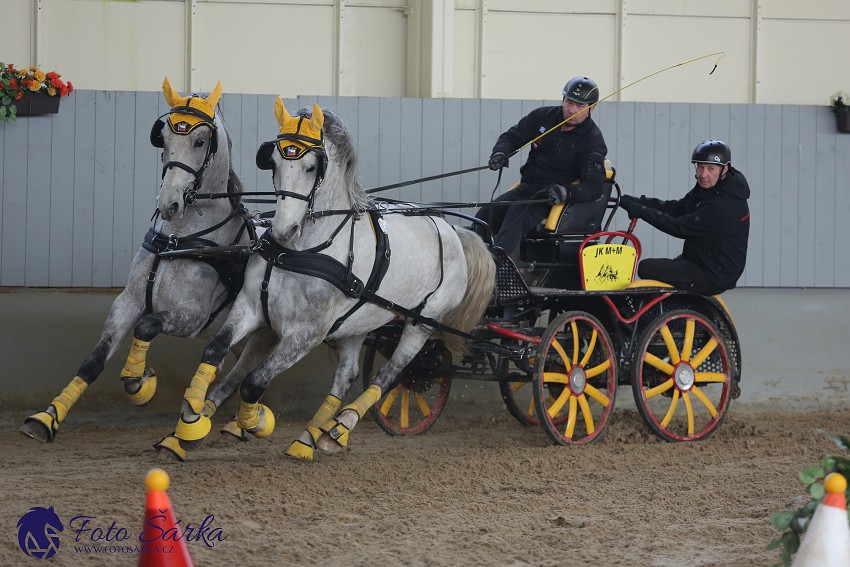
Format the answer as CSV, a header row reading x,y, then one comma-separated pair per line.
x,y
826,542
164,545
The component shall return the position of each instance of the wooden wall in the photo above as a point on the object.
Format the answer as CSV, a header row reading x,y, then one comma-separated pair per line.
x,y
78,188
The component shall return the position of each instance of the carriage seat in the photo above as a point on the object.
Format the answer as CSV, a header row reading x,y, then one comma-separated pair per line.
x,y
583,218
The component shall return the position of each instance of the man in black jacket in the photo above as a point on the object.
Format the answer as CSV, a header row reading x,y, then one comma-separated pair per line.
x,y
713,219
573,152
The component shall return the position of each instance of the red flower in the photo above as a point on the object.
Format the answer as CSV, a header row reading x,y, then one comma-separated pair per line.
x,y
70,87
63,90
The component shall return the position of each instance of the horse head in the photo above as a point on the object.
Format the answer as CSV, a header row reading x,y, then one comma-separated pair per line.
x,y
189,138
298,167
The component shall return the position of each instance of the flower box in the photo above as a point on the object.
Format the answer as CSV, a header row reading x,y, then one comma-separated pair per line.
x,y
842,120
32,104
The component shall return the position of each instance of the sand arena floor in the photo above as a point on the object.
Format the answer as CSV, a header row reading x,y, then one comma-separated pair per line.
x,y
478,489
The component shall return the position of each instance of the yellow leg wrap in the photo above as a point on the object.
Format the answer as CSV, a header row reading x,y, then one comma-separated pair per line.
x,y
366,400
68,397
135,365
193,431
196,393
325,412
257,418
209,408
172,444
249,415
301,451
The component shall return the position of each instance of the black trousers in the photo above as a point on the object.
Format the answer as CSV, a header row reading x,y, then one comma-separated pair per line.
x,y
510,223
679,273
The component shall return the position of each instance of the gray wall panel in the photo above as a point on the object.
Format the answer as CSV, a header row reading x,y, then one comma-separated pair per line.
x,y
79,187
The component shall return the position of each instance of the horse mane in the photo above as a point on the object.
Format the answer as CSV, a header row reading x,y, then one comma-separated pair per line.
x,y
234,184
345,156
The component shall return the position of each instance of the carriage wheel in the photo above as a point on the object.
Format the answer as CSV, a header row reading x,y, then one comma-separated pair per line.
x,y
416,402
575,379
519,396
682,376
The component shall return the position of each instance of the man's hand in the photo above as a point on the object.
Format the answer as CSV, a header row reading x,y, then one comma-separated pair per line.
x,y
497,161
558,193
631,205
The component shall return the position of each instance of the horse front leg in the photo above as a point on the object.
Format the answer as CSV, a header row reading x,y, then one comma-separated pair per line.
x,y
43,426
336,431
194,423
347,370
139,378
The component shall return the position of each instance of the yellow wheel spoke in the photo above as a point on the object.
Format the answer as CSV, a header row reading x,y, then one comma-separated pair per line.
x,y
558,404
588,417
531,407
704,353
571,419
597,370
405,408
689,340
709,377
597,395
561,352
516,386
574,327
687,399
661,388
671,344
556,378
590,348
656,362
672,409
390,400
705,401
423,405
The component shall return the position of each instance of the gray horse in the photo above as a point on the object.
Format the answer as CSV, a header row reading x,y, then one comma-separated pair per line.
x,y
324,271
184,297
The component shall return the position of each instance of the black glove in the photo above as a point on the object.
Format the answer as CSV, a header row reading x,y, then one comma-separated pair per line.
x,y
497,161
558,193
632,206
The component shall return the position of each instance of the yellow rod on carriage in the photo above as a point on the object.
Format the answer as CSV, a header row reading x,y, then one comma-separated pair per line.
x,y
721,54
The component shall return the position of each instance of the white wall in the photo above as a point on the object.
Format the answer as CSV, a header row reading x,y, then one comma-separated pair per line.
x,y
776,51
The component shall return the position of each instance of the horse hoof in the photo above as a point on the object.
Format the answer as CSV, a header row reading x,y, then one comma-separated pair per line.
x,y
36,430
140,389
169,450
231,433
194,431
300,451
266,425
327,445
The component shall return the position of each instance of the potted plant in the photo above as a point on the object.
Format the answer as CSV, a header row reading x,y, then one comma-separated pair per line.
x,y
29,91
840,102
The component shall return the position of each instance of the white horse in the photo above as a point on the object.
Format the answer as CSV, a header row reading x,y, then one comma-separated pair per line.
x,y
177,296
332,267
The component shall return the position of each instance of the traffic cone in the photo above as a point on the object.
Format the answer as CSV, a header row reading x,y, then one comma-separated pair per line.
x,y
163,540
826,542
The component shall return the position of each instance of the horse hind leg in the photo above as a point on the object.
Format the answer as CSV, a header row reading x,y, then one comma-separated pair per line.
x,y
337,430
348,350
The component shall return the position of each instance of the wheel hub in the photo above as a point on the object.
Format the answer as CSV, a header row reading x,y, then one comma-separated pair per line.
x,y
684,377
578,380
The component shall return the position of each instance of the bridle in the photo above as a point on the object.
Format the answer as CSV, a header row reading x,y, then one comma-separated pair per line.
x,y
190,192
293,152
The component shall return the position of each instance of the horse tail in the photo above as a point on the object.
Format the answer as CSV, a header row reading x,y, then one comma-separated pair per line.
x,y
480,279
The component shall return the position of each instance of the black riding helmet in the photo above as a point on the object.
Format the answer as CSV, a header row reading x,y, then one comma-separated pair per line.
x,y
712,151
581,90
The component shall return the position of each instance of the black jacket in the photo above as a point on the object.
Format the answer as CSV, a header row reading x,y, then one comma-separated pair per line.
x,y
715,224
559,157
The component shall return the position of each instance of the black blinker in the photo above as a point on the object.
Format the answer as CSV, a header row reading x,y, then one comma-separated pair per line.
x,y
264,155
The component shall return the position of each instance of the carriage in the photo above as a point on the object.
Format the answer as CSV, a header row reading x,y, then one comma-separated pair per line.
x,y
567,326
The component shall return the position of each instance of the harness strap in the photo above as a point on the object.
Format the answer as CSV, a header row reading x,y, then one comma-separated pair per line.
x,y
379,268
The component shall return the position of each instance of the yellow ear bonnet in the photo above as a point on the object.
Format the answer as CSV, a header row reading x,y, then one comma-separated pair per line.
x,y
202,109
